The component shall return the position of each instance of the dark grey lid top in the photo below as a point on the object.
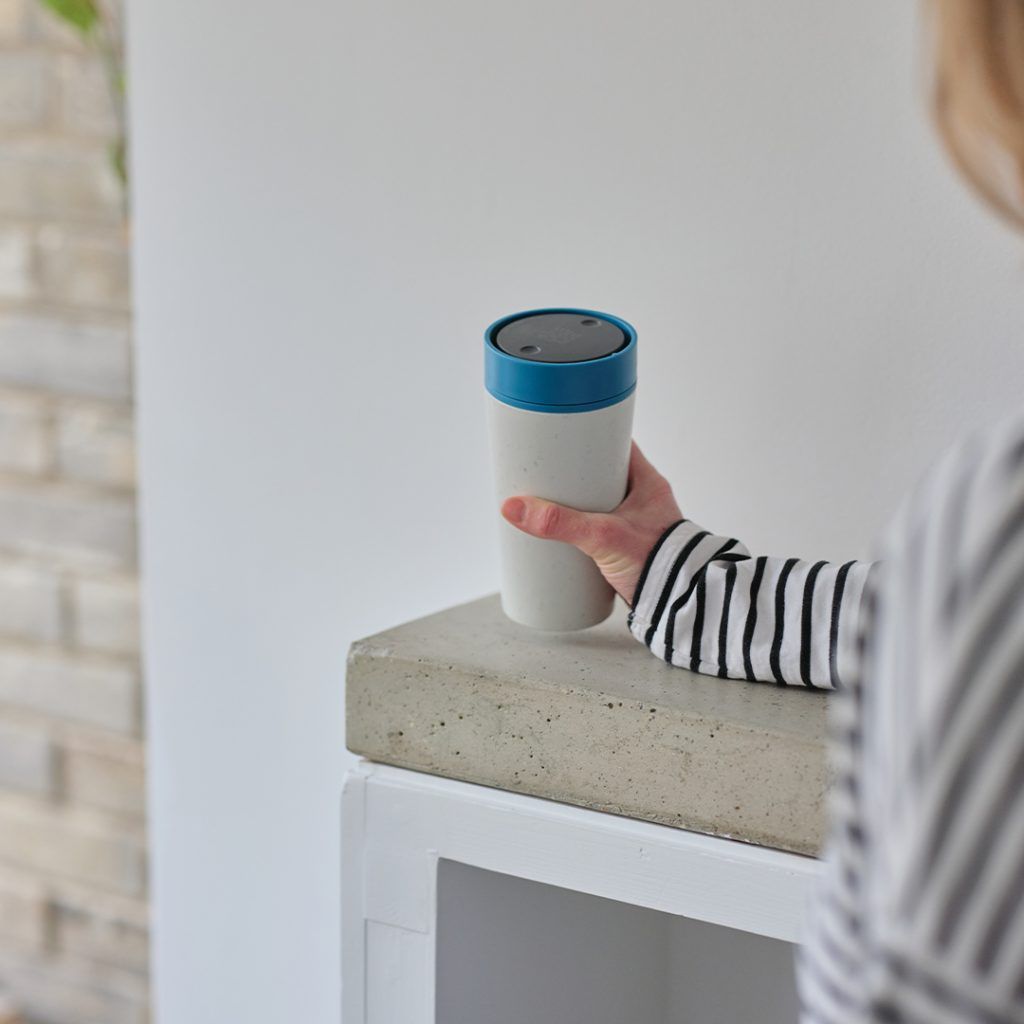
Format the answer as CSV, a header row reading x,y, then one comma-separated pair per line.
x,y
560,338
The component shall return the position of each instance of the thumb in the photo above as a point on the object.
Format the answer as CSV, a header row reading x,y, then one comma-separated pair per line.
x,y
551,521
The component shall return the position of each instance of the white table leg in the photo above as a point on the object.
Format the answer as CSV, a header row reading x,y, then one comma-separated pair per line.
x,y
389,896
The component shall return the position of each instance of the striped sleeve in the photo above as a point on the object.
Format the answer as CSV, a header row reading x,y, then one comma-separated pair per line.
x,y
704,603
919,916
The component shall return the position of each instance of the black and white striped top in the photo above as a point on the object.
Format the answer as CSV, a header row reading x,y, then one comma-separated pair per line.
x,y
919,918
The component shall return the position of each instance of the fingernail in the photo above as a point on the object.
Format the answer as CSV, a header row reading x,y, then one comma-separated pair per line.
x,y
514,510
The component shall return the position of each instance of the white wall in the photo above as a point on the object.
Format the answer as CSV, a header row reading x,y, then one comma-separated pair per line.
x,y
332,200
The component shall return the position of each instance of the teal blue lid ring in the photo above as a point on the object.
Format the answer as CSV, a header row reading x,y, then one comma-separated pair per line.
x,y
561,387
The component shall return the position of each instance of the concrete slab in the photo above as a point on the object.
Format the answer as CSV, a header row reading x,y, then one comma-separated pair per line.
x,y
591,718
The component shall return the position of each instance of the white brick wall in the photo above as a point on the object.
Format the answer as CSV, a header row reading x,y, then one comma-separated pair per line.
x,y
96,692
43,180
101,926
68,524
74,932
26,89
54,355
95,444
105,614
106,773
12,19
24,434
71,844
26,759
63,987
16,280
23,910
31,601
81,267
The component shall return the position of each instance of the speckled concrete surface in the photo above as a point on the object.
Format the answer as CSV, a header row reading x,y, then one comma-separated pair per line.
x,y
591,718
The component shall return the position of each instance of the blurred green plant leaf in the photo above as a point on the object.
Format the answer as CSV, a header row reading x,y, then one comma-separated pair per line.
x,y
119,160
83,14
101,33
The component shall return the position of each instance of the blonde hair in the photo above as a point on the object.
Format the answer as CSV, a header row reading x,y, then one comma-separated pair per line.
x,y
978,95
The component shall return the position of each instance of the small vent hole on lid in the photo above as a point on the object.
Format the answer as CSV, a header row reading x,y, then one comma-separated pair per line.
x,y
588,323
529,349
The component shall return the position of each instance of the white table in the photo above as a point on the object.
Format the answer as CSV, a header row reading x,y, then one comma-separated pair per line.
x,y
469,905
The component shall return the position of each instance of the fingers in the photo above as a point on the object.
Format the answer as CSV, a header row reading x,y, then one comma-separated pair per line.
x,y
643,477
551,521
639,467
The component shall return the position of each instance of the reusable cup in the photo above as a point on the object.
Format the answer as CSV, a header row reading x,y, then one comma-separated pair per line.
x,y
560,386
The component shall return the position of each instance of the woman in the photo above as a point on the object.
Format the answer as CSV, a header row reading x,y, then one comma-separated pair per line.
x,y
920,916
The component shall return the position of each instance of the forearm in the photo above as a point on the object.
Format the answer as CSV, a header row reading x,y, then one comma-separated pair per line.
x,y
705,604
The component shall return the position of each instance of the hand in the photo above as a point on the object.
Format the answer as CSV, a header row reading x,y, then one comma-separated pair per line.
x,y
617,541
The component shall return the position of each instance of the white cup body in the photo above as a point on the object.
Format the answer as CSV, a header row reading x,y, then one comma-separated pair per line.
x,y
579,459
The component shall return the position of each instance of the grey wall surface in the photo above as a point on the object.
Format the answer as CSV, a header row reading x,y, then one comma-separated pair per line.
x,y
332,200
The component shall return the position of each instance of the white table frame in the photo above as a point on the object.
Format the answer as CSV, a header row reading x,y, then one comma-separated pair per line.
x,y
397,825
